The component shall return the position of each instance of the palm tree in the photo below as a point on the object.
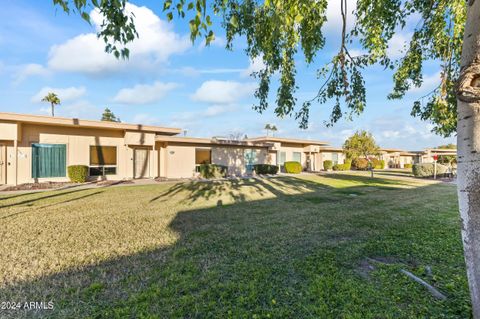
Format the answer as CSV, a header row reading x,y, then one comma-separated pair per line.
x,y
273,128
53,99
267,128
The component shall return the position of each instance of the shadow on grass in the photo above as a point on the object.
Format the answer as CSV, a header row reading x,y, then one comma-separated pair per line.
x,y
51,205
56,193
289,256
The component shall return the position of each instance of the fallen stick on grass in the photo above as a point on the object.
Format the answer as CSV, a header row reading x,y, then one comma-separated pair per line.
x,y
437,294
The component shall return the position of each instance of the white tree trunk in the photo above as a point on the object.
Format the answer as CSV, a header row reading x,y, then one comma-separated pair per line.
x,y
468,143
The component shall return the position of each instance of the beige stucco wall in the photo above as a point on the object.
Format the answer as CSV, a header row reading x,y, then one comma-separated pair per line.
x,y
231,157
289,149
177,160
180,161
9,131
234,158
78,142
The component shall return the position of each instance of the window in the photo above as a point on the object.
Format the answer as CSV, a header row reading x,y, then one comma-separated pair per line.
x,y
103,160
282,158
49,160
250,159
297,157
203,156
335,158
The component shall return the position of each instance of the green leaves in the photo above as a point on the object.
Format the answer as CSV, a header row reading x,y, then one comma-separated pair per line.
x,y
360,144
281,32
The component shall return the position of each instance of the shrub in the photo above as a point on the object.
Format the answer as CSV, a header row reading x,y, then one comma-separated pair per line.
x,y
265,169
78,173
212,170
360,163
377,164
407,166
382,164
341,167
348,164
328,164
426,169
293,167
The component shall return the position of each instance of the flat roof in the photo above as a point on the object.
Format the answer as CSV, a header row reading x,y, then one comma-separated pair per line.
x,y
209,141
285,140
74,122
331,149
391,150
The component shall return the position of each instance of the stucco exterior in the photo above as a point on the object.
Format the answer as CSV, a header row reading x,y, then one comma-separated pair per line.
x,y
19,132
143,151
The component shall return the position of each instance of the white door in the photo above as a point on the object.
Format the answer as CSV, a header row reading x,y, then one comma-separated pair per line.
x,y
140,163
3,164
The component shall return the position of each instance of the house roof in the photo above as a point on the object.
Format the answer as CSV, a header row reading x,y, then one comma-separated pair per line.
x,y
285,140
73,122
331,149
210,141
390,150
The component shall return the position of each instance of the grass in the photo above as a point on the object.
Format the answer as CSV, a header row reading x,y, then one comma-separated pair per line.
x,y
269,248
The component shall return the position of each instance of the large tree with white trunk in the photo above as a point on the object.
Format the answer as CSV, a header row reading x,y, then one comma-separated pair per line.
x,y
281,31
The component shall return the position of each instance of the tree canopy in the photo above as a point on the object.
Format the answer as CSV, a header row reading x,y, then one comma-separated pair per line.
x,y
360,144
109,116
53,99
279,32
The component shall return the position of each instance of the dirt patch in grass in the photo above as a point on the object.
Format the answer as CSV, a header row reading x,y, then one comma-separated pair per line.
x,y
37,186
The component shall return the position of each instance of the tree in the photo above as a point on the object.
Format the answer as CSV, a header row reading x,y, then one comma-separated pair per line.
x,y
360,144
447,159
273,128
109,116
53,99
267,128
446,31
449,146
270,128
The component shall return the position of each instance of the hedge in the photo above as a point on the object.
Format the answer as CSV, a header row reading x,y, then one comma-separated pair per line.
x,y
213,170
293,167
78,173
426,169
265,169
407,166
360,163
341,167
328,164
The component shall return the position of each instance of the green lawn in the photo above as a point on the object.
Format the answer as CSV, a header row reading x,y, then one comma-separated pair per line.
x,y
294,247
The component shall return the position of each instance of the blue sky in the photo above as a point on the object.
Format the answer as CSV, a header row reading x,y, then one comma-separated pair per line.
x,y
168,81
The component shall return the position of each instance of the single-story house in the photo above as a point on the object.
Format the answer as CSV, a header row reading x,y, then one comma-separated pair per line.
x,y
37,148
40,148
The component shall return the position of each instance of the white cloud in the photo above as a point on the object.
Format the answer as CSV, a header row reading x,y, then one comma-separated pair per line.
x,y
144,93
334,17
29,70
65,94
397,45
85,53
429,83
255,65
223,92
82,109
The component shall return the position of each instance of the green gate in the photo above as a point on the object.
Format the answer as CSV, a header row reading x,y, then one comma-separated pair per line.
x,y
49,160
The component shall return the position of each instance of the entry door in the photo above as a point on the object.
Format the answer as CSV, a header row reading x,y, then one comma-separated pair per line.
x,y
140,163
3,164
